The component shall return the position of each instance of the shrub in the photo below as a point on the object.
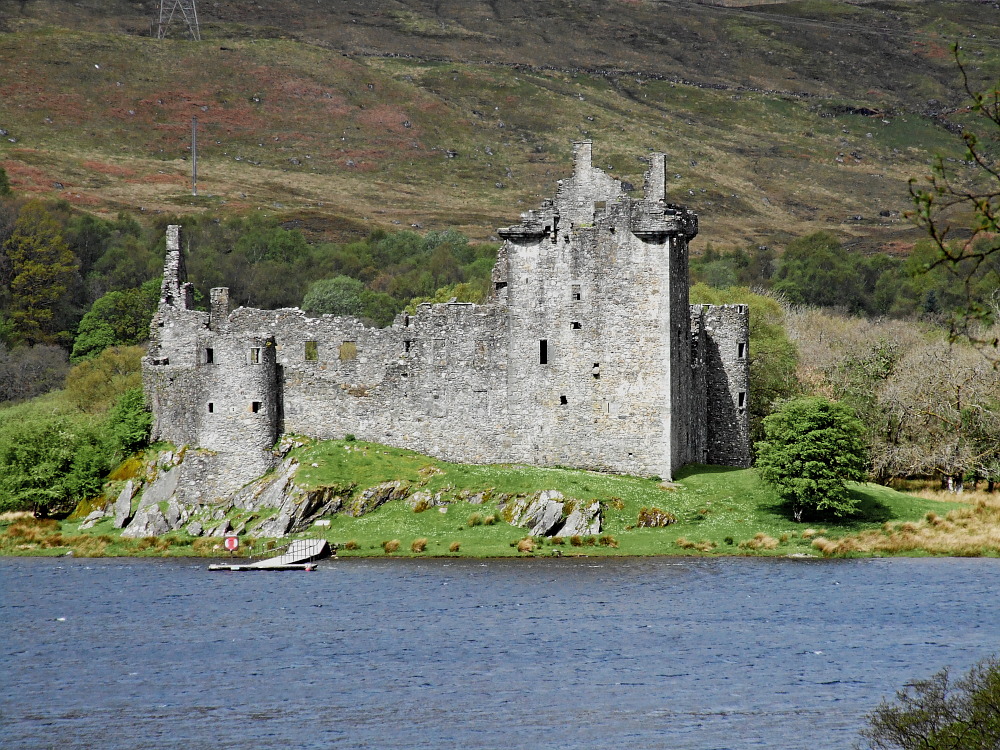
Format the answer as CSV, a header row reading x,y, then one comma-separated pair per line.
x,y
589,541
454,546
490,520
576,540
390,546
418,545
557,540
608,541
651,518
526,545
941,712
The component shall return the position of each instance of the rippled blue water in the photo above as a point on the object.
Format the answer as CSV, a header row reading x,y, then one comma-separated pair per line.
x,y
651,653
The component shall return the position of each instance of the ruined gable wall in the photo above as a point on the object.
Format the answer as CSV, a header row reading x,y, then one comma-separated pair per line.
x,y
727,372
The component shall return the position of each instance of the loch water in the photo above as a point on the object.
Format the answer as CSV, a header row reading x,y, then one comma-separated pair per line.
x,y
672,653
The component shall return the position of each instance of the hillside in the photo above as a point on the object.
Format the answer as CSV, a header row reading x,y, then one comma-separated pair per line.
x,y
778,120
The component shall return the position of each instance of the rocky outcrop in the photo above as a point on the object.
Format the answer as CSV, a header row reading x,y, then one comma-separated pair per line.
x,y
148,521
376,496
123,505
179,491
549,513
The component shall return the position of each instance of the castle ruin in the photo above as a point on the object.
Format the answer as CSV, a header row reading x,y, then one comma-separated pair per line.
x,y
587,354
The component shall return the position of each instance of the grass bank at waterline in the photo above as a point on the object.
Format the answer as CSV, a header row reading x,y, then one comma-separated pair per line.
x,y
707,511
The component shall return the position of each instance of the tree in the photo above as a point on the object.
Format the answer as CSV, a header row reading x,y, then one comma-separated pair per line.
x,y
812,447
117,319
5,190
43,270
948,195
940,713
340,295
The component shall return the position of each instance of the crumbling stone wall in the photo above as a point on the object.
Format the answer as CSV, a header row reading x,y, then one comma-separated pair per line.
x,y
588,353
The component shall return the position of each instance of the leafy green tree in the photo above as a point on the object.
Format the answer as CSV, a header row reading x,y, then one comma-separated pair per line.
x,y
815,270
340,295
117,319
128,424
43,270
941,713
49,462
812,447
5,190
95,384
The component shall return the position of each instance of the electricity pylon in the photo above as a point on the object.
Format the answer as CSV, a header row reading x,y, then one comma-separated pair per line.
x,y
187,9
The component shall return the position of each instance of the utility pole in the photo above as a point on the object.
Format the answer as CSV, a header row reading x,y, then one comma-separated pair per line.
x,y
194,156
187,9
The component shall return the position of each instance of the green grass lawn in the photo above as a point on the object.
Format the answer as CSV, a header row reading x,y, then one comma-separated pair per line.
x,y
716,507
719,511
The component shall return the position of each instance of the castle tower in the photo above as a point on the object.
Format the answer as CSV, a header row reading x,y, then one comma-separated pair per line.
x,y
208,387
596,292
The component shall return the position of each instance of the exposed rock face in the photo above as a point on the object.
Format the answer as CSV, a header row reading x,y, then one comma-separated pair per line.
x,y
123,505
548,513
91,520
373,497
148,521
173,499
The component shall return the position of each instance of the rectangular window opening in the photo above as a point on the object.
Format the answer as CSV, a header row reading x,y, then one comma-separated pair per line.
x,y
596,372
255,407
741,350
211,408
543,351
312,351
209,356
575,293
406,346
255,356
500,285
348,351
563,401
741,400
575,325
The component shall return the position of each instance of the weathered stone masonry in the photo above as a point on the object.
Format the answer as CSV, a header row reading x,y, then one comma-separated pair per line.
x,y
588,355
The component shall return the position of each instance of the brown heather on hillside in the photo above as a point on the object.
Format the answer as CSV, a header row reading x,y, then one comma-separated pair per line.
x,y
778,120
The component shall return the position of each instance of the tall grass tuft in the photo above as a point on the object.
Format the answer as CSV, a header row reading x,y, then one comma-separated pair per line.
x,y
475,519
526,545
418,545
454,546
390,546
351,544
760,541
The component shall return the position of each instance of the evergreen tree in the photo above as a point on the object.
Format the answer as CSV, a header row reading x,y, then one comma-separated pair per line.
x,y
43,268
4,184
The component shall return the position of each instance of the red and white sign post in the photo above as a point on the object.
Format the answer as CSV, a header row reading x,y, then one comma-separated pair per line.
x,y
232,542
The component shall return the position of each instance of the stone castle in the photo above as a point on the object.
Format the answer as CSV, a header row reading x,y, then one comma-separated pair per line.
x,y
587,354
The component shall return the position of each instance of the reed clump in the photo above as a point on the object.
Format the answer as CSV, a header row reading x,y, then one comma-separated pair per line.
x,y
390,546
454,546
760,541
418,545
972,530
526,545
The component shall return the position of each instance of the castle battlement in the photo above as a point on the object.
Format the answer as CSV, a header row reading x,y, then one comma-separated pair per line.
x,y
588,353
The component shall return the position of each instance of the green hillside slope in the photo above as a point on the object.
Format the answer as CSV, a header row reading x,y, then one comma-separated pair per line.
x,y
777,120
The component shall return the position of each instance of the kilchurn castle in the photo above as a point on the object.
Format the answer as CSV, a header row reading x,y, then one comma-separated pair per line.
x,y
587,354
